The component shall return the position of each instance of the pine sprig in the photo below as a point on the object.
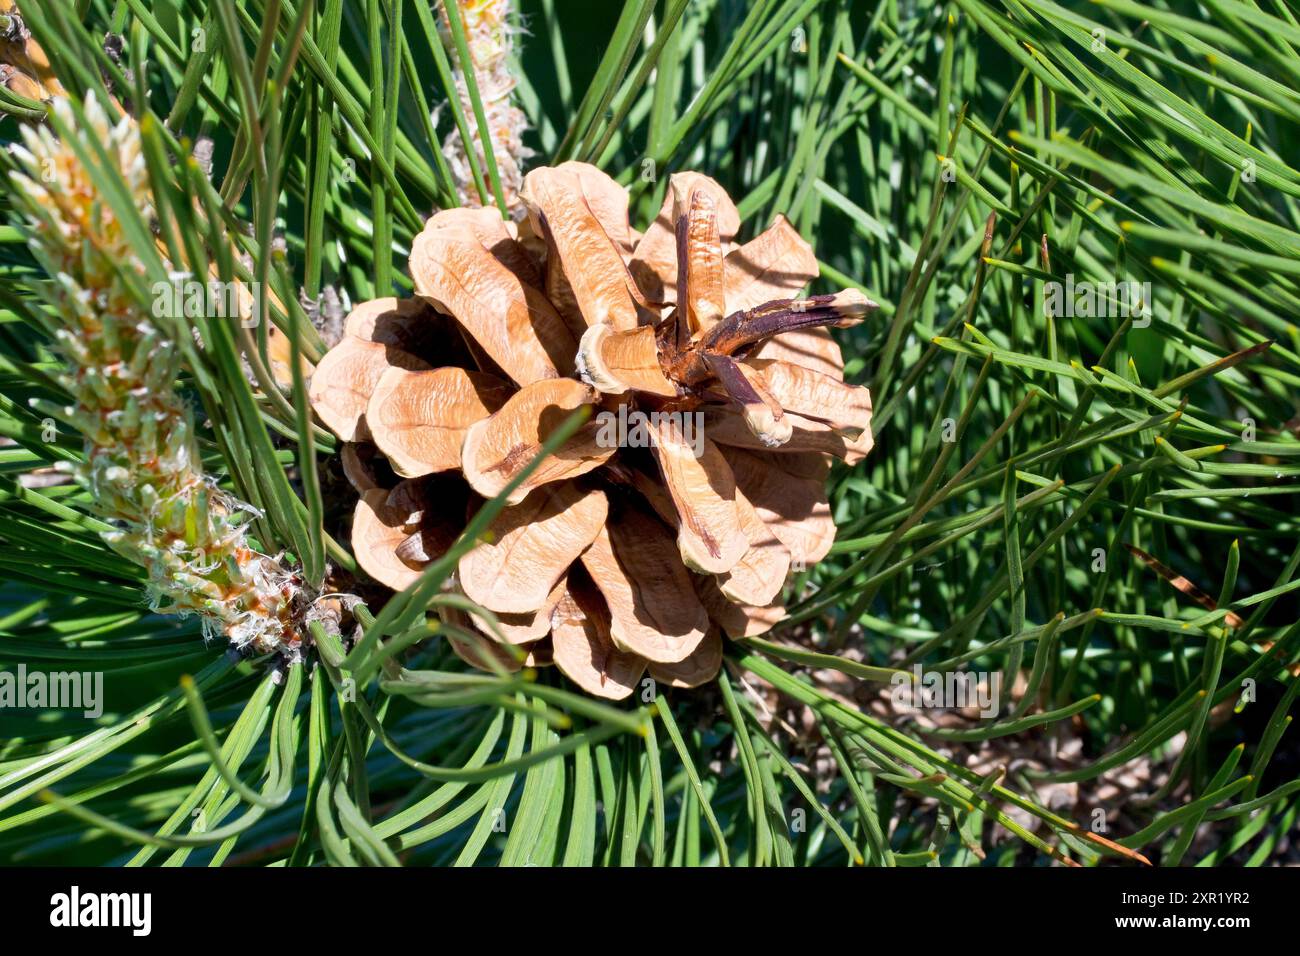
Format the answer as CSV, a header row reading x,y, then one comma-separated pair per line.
x,y
141,465
956,164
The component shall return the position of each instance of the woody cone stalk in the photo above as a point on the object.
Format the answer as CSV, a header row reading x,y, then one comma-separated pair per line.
x,y
141,461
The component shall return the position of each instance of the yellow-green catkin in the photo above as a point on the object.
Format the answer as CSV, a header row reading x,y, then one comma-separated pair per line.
x,y
141,467
490,37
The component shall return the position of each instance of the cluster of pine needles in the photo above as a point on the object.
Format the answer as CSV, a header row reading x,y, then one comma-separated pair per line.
x,y
1101,503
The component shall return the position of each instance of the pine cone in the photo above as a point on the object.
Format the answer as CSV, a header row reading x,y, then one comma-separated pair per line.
x,y
671,517
24,67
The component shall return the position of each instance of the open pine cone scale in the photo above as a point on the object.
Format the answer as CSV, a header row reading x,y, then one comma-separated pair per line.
x,y
645,537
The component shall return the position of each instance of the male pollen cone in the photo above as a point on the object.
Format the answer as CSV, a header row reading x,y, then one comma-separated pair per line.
x,y
616,556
